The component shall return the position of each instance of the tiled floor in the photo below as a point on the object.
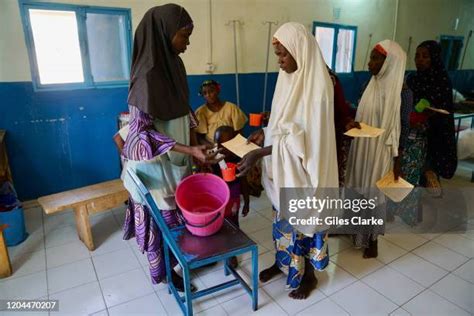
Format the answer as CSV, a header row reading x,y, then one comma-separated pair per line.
x,y
414,274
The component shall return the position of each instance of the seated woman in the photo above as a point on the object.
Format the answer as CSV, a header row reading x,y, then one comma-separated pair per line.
x,y
216,113
300,143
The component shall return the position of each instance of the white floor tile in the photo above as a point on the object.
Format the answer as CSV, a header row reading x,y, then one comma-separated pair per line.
x,y
101,313
213,311
333,279
338,244
429,303
142,257
217,277
61,235
466,271
265,261
360,299
457,291
267,213
125,287
324,307
400,312
143,306
388,251
455,242
418,269
34,243
82,300
407,241
106,264
107,241
31,286
27,263
70,275
261,236
261,203
242,305
440,256
279,293
352,261
199,305
393,285
63,218
68,253
255,223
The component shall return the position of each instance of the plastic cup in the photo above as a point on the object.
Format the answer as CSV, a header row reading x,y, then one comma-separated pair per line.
x,y
229,174
255,119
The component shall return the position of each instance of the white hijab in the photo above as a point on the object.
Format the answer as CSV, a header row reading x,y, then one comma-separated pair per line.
x,y
371,159
301,126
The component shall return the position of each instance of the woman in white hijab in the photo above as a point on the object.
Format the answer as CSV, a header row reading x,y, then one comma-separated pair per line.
x,y
300,138
372,158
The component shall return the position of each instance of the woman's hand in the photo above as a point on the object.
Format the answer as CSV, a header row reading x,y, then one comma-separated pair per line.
x,y
201,154
352,124
247,162
257,137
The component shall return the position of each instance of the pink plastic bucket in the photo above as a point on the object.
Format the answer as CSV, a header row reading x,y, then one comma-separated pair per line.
x,y
202,199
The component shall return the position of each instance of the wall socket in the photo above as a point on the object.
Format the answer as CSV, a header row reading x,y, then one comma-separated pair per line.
x,y
210,68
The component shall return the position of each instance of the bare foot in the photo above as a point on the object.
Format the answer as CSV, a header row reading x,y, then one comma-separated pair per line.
x,y
269,273
308,284
233,262
372,250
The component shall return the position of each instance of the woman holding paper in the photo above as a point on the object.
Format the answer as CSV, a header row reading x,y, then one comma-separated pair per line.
x,y
300,146
370,159
431,84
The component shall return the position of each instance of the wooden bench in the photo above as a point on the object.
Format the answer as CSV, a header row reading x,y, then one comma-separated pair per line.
x,y
85,202
5,264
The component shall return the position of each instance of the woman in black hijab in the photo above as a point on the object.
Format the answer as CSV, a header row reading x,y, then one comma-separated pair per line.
x,y
157,145
431,82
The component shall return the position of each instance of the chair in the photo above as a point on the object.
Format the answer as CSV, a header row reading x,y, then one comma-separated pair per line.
x,y
193,252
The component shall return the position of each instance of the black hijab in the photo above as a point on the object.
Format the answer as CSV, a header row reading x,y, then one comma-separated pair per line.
x,y
158,84
434,85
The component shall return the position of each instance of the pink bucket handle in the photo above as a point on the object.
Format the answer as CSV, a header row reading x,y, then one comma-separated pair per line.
x,y
204,225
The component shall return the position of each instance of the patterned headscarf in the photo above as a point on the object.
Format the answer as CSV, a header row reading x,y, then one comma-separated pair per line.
x,y
434,85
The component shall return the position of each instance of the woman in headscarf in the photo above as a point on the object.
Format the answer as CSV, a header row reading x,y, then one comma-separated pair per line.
x,y
372,158
157,145
300,146
431,82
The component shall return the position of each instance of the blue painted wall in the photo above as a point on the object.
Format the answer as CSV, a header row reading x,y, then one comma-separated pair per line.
x,y
59,140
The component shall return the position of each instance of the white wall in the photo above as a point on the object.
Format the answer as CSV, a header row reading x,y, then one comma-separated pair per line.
x,y
421,19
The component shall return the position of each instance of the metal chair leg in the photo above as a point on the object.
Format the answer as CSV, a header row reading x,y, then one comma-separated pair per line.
x,y
167,266
254,279
187,291
226,267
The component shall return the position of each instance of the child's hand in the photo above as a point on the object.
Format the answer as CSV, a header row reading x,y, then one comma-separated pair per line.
x,y
245,210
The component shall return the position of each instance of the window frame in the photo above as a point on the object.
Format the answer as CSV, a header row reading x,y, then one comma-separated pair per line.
x,y
81,11
336,28
451,38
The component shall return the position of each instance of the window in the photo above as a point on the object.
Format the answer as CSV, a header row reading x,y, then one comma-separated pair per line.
x,y
337,43
73,46
451,47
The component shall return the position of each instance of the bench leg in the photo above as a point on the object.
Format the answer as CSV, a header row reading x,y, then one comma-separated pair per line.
x,y
83,227
5,265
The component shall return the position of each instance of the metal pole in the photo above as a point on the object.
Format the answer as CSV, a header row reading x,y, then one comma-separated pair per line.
x,y
234,22
367,52
408,51
465,50
266,63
